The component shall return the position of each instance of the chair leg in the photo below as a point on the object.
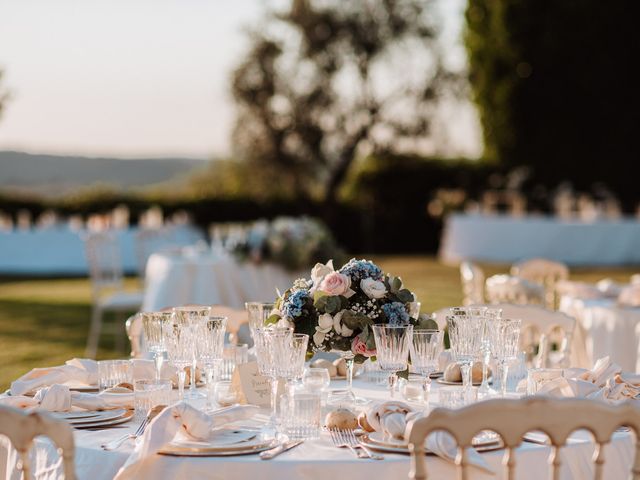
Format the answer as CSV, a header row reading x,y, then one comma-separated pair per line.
x,y
94,332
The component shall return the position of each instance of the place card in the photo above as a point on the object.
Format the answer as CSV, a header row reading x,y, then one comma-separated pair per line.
x,y
252,388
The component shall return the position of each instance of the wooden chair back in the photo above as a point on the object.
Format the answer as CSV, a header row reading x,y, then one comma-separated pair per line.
x,y
22,427
545,272
105,262
511,419
472,278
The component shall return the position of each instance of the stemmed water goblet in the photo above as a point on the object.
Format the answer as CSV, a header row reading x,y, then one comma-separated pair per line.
x,y
210,341
392,350
265,340
194,316
179,340
505,338
154,325
290,353
466,339
425,347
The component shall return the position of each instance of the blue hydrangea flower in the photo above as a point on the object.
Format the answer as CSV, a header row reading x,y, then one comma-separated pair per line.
x,y
359,269
292,306
396,313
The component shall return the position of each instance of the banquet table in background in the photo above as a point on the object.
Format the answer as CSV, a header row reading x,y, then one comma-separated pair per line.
x,y
319,459
206,278
607,329
507,239
60,251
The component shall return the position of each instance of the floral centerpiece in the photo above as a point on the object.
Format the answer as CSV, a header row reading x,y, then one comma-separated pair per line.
x,y
293,242
337,308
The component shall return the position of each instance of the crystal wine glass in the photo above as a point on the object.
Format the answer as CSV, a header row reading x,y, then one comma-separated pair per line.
x,y
258,313
265,339
154,324
178,340
210,340
392,350
425,347
290,353
466,338
505,339
193,315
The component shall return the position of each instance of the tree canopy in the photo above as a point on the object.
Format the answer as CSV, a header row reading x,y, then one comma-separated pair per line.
x,y
326,80
555,84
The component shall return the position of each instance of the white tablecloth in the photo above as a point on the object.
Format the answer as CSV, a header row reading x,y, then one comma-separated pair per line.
x,y
319,459
60,251
205,278
507,239
607,329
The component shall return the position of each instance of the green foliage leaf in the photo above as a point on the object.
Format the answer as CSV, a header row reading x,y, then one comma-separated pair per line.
x,y
355,320
405,296
332,305
272,319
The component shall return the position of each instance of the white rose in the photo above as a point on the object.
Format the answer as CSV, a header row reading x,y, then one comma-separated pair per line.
x,y
414,309
341,329
373,288
325,324
318,273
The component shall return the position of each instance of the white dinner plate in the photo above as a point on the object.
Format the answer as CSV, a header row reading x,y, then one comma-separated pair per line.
x,y
442,381
376,440
128,416
100,416
256,442
76,415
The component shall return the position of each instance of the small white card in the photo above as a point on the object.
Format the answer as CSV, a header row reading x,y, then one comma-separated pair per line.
x,y
251,387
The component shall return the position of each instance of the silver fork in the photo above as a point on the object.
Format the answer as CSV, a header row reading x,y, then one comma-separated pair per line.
x,y
114,444
353,441
340,442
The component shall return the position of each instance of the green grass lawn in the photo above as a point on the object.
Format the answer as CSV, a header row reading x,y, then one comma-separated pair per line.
x,y
45,322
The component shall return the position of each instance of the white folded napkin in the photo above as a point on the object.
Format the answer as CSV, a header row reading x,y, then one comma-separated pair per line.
x,y
445,447
18,401
185,418
80,370
58,398
604,382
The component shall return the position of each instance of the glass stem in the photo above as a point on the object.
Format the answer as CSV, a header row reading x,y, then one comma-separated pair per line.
x,y
192,385
158,359
210,386
182,375
426,388
465,370
393,380
505,373
349,364
274,398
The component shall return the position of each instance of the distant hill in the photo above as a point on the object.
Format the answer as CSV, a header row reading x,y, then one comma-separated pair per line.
x,y
55,175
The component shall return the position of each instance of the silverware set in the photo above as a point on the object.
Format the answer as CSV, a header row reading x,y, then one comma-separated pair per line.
x,y
347,439
115,444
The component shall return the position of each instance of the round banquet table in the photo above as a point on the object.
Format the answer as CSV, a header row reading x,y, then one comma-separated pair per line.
x,y
319,459
205,278
607,329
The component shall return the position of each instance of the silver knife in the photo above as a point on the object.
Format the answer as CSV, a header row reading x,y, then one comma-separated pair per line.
x,y
283,447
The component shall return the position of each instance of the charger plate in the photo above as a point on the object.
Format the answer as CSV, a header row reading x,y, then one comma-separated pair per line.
x,y
376,441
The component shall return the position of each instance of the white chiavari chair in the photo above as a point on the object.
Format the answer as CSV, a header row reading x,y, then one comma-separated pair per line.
x,y
472,278
512,419
105,269
545,272
512,289
541,328
22,427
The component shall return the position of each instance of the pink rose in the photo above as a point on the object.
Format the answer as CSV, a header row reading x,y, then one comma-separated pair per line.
x,y
336,284
359,347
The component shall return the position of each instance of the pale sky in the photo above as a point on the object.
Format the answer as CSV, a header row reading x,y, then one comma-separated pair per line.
x,y
133,78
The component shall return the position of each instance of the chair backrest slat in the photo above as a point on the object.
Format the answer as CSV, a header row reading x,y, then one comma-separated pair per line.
x,y
512,419
545,272
21,428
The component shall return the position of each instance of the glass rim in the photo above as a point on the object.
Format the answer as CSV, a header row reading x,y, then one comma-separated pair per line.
x,y
426,330
255,304
159,313
217,317
114,361
191,308
398,327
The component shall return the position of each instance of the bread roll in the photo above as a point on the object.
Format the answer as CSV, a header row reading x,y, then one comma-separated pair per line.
x,y
341,366
322,363
453,373
341,419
